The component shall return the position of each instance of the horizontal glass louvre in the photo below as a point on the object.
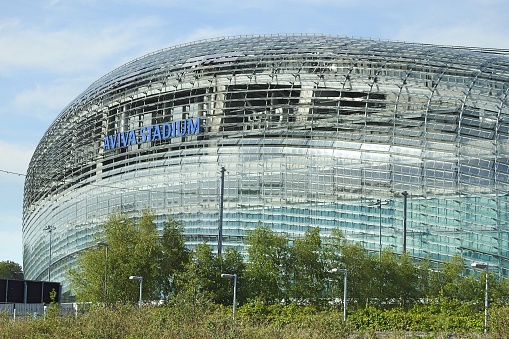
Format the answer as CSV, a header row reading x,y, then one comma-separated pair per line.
x,y
312,131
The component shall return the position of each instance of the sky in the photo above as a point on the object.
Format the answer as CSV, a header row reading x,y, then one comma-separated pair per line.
x,y
52,50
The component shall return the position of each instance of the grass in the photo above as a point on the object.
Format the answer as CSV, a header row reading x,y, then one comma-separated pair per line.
x,y
205,320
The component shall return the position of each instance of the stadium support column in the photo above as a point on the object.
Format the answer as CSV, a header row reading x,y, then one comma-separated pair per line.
x,y
405,194
220,233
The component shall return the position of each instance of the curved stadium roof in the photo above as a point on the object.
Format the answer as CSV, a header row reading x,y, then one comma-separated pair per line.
x,y
311,128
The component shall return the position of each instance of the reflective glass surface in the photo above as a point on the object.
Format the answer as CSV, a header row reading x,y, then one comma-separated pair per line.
x,y
312,130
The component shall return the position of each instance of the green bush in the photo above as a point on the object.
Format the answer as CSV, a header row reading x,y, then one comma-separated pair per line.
x,y
498,322
183,319
258,312
443,316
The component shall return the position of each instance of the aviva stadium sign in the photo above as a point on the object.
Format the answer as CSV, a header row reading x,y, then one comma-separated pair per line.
x,y
152,133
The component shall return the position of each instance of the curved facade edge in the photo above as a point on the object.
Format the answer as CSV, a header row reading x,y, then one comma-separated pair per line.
x,y
313,131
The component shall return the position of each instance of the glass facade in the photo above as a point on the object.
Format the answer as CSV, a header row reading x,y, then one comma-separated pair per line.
x,y
312,130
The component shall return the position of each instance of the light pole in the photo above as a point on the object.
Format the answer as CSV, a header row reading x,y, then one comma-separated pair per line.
x,y
106,245
379,204
221,204
345,285
405,197
49,229
484,266
234,276
140,279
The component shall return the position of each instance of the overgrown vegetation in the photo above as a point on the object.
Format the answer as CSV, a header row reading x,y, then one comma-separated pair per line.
x,y
181,318
285,288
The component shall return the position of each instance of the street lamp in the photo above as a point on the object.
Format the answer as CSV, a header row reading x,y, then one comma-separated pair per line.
x,y
49,229
345,285
379,204
106,245
405,198
221,204
140,279
234,276
484,266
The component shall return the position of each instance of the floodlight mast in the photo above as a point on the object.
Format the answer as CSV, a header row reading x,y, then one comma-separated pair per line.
x,y
378,203
49,229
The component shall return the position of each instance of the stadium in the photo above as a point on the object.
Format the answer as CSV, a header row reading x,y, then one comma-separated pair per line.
x,y
398,145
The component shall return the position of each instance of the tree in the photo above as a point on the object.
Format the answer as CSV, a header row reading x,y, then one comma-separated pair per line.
x,y
341,253
447,281
499,290
147,251
397,278
268,267
308,269
174,257
202,275
361,266
11,270
407,280
231,263
133,249
425,275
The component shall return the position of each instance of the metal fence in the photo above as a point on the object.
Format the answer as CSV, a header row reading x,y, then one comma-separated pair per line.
x,y
20,310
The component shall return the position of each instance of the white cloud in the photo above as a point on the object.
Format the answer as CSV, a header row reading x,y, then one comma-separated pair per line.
x,y
457,23
44,101
68,50
207,32
52,97
461,34
15,157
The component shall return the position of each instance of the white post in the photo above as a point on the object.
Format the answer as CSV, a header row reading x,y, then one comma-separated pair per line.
x,y
141,283
485,267
486,303
234,276
345,286
140,279
380,230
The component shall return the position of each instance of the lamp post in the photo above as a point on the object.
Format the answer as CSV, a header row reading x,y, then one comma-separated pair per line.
x,y
345,285
234,276
49,229
140,279
105,245
484,266
379,204
405,197
221,204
